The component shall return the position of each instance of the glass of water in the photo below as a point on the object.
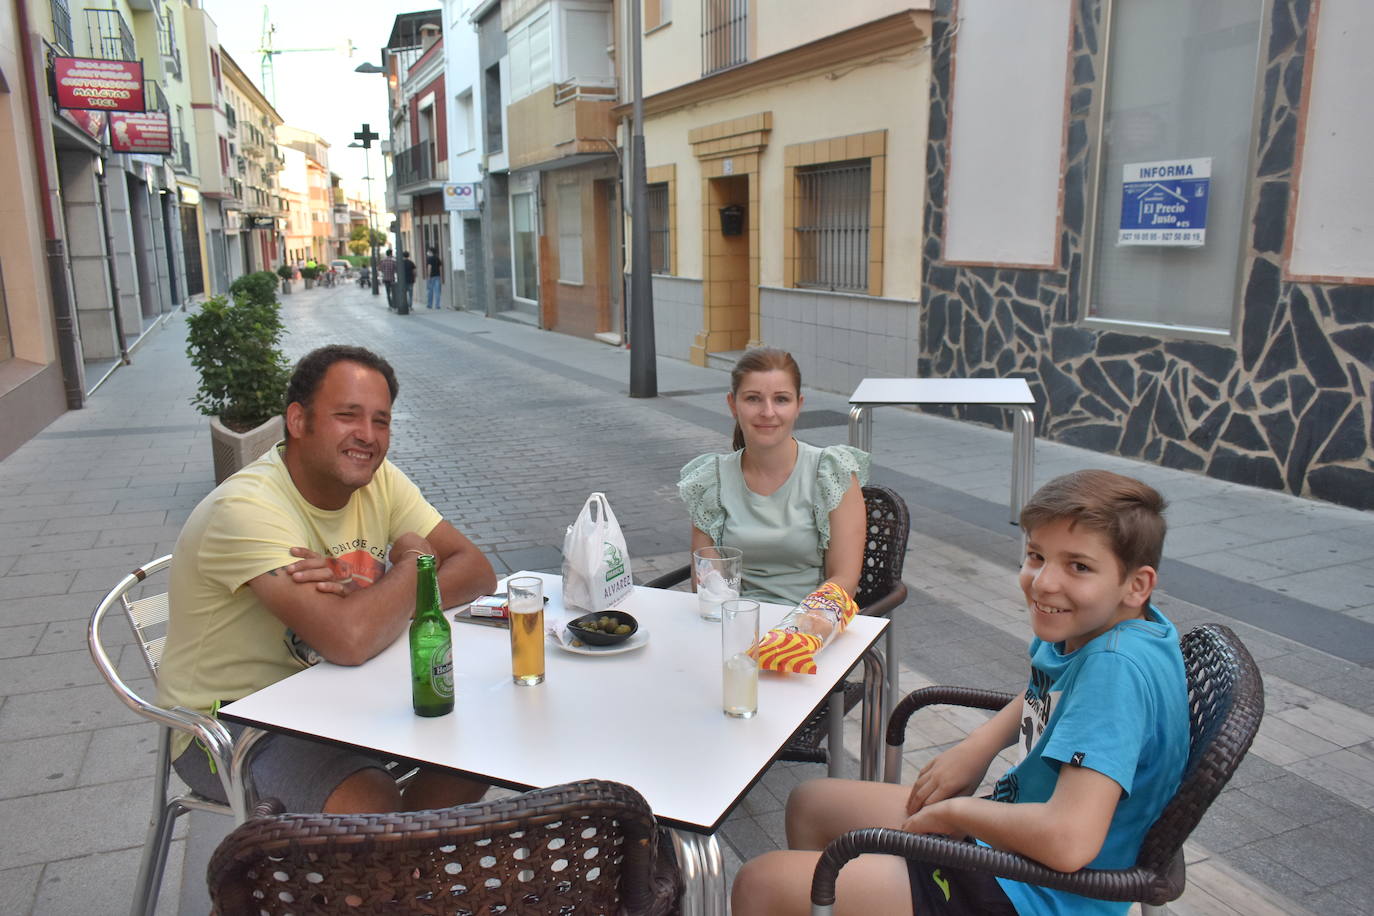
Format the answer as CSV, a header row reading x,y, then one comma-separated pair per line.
x,y
717,577
739,638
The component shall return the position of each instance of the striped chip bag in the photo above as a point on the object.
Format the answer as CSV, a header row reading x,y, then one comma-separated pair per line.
x,y
791,646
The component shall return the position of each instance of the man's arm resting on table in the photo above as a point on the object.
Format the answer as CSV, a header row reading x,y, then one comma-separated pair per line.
x,y
350,629
1065,833
464,572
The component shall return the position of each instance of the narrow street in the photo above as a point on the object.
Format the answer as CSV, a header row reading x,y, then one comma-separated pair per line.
x,y
507,429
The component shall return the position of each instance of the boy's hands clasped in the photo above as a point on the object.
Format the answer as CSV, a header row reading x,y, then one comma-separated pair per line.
x,y
956,772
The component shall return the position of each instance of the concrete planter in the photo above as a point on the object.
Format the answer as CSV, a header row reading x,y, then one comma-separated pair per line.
x,y
285,287
235,450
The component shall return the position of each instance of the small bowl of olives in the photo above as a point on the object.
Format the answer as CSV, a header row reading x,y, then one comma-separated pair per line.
x,y
606,628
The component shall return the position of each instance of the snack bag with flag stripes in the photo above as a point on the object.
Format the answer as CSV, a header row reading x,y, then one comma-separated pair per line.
x,y
792,645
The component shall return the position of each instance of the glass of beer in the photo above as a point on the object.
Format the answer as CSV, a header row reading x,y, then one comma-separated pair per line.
x,y
739,638
526,608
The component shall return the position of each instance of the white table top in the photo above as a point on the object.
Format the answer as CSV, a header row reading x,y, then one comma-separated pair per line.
x,y
877,391
650,718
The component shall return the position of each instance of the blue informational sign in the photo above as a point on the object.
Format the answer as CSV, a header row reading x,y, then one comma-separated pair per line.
x,y
1165,203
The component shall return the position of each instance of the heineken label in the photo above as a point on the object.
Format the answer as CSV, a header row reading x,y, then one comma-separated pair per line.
x,y
441,670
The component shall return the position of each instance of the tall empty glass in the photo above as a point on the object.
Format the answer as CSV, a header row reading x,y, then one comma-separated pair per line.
x,y
739,635
526,606
718,575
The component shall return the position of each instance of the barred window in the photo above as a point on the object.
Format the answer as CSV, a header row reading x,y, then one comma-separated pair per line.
x,y
832,226
660,254
724,34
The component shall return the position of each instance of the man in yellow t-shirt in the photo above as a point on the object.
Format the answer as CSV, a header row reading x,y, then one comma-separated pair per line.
x,y
287,561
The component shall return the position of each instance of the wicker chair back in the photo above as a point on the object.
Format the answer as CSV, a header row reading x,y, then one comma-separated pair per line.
x,y
887,528
585,847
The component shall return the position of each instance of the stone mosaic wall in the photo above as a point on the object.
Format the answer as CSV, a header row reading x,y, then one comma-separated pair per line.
x,y
1286,405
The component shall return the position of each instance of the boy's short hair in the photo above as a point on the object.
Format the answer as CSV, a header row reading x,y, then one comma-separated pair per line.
x,y
1130,514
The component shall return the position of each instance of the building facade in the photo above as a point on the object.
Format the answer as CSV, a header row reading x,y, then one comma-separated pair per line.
x,y
784,183
1245,353
256,235
418,146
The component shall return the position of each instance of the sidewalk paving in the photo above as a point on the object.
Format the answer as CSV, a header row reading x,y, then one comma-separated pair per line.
x,y
506,429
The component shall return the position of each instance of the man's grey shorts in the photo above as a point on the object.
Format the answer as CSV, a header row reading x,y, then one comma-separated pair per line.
x,y
301,773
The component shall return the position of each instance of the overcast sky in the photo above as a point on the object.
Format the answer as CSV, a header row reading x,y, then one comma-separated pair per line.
x,y
318,90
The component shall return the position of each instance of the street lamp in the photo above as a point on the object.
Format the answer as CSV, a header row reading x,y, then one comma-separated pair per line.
x,y
365,138
368,66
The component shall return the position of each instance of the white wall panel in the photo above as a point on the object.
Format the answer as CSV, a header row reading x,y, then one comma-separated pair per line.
x,y
1006,131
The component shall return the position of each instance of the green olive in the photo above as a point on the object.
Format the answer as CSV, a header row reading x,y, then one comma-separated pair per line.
x,y
622,629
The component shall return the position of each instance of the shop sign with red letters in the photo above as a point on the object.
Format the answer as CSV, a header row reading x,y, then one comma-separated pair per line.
x,y
145,132
100,85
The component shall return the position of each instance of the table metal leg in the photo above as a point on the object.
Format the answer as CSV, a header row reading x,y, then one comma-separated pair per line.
x,y
703,873
684,845
861,427
1023,460
890,695
835,734
874,682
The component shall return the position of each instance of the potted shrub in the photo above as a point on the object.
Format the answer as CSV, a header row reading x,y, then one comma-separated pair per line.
x,y
233,344
286,273
310,273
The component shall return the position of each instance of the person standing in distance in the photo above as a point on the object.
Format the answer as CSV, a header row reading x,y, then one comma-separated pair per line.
x,y
434,270
407,283
386,269
309,553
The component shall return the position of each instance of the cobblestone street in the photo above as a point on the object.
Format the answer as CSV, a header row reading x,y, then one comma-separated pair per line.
x,y
507,429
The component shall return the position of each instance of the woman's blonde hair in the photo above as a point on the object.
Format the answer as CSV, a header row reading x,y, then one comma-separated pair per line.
x,y
761,359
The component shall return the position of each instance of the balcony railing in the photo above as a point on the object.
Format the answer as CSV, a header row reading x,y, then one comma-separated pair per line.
x,y
585,90
181,153
724,34
62,27
167,45
236,188
109,35
154,99
419,164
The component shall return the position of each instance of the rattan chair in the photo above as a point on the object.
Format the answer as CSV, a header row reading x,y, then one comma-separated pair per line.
x,y
584,847
1226,703
147,616
881,591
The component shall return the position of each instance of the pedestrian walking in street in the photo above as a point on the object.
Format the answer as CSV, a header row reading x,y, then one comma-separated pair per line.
x,y
310,553
386,269
434,270
408,272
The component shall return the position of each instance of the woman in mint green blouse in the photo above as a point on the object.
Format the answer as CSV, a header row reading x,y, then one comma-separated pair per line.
x,y
795,511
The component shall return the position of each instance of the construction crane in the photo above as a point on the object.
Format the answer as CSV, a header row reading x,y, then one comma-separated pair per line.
x,y
266,49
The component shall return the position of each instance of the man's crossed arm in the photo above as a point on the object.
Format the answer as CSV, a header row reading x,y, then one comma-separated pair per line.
x,y
349,625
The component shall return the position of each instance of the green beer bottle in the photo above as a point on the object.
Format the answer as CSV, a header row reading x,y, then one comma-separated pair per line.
x,y
431,646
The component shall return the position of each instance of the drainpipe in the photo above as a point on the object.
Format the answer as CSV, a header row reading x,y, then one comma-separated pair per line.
x,y
110,257
54,246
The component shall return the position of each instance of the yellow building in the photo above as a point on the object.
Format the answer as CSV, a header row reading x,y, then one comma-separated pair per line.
x,y
785,143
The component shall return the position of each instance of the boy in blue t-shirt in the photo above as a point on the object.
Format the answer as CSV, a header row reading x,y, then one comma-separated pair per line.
x,y
1102,729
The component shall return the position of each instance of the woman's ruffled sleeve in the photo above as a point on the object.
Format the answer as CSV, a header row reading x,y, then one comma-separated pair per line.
x,y
699,487
838,463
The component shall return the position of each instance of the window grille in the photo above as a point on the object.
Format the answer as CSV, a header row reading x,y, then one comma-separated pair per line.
x,y
62,26
660,254
724,34
108,36
832,226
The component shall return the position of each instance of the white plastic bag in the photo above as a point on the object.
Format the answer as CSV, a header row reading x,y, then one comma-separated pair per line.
x,y
596,565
